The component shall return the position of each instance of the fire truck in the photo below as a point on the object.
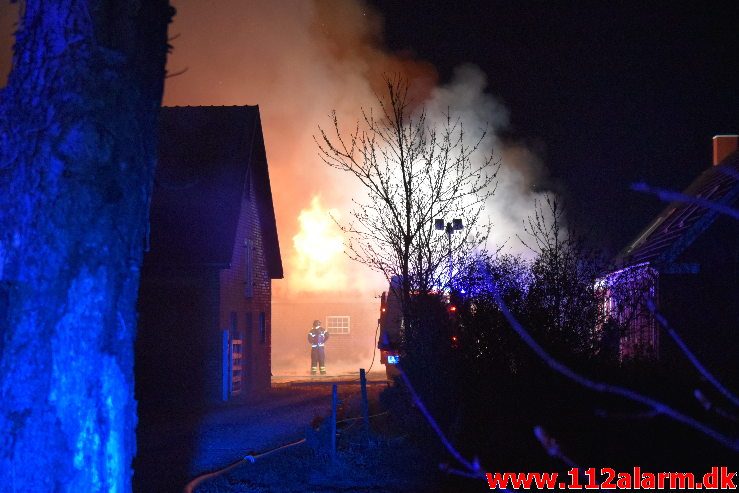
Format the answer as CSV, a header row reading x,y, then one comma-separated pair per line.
x,y
391,322
391,326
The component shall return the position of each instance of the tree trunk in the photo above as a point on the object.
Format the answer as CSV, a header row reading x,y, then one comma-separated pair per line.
x,y
77,155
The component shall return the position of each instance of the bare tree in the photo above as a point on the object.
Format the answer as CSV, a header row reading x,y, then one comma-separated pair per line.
x,y
562,302
413,172
78,122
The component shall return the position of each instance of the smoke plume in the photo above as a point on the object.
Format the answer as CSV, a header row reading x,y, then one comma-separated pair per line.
x,y
299,60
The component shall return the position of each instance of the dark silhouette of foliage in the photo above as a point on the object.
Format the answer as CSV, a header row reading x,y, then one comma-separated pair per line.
x,y
562,303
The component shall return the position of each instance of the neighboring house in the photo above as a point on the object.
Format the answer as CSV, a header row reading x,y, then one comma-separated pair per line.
x,y
204,331
687,260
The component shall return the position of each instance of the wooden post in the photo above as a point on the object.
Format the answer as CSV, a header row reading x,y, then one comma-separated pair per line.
x,y
334,405
365,405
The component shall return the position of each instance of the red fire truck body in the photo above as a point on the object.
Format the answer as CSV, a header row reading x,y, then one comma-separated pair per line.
x,y
391,323
391,326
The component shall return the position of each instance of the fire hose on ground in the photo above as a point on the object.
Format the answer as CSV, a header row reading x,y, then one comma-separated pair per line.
x,y
252,458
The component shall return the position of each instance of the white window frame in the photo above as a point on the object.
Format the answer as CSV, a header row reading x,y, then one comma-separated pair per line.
x,y
338,324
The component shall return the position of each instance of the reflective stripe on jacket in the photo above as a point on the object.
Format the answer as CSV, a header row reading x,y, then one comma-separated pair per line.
x,y
317,336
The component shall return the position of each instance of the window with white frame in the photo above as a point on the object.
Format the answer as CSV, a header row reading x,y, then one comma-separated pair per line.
x,y
338,324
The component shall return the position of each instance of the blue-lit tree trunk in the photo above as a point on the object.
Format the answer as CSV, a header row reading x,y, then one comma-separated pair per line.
x,y
77,156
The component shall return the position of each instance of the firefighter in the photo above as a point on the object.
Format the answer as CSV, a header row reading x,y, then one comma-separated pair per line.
x,y
317,337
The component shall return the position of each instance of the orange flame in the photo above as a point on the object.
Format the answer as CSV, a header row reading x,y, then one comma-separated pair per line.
x,y
317,263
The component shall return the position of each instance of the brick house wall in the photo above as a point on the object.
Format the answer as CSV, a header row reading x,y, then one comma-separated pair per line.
x,y
249,306
176,338
213,252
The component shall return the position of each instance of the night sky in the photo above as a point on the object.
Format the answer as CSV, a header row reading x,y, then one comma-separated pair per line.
x,y
606,93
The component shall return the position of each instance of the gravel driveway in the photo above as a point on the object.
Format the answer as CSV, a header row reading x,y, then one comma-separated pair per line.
x,y
170,452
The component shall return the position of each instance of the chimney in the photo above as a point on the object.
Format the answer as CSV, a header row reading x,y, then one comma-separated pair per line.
x,y
723,145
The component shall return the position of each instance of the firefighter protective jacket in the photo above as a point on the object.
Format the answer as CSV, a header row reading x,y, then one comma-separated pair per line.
x,y
317,336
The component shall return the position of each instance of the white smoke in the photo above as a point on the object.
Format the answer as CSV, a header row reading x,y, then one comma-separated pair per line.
x,y
465,97
300,60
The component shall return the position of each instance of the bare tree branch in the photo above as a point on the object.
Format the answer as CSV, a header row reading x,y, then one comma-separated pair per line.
x,y
413,171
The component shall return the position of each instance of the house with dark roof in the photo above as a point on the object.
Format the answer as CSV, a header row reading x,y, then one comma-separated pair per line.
x,y
204,332
687,261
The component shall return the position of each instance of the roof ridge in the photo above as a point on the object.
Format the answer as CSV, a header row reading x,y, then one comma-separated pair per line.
x,y
212,106
660,241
